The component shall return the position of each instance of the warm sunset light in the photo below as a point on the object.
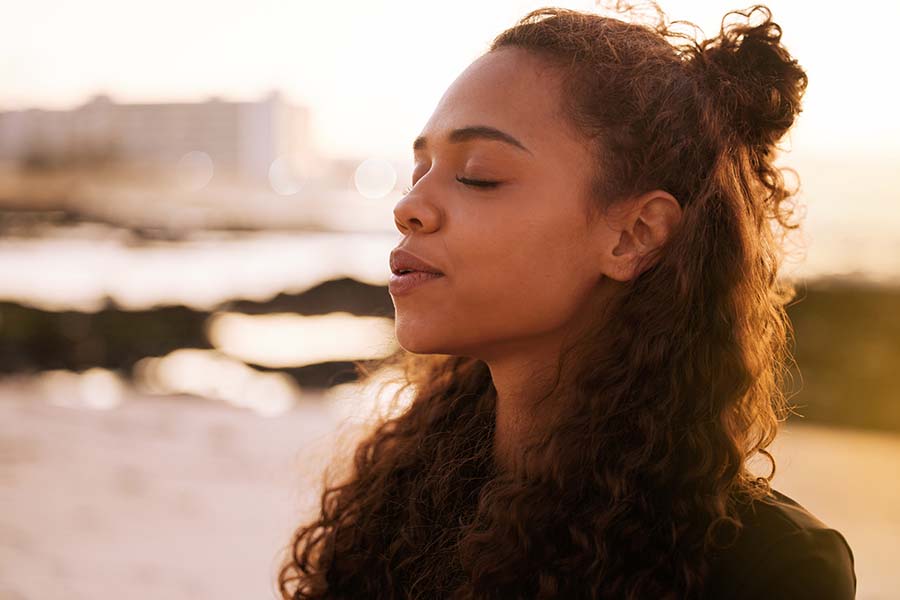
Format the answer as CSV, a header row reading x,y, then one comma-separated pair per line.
x,y
218,296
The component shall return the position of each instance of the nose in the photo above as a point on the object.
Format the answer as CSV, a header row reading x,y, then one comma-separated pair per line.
x,y
414,213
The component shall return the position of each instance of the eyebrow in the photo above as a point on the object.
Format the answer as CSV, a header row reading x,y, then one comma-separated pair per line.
x,y
472,132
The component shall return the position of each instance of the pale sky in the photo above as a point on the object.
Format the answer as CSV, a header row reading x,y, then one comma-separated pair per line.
x,y
373,71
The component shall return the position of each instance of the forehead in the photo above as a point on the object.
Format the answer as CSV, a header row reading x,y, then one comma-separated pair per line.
x,y
509,89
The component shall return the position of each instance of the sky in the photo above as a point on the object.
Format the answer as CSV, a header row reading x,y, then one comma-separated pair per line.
x,y
372,72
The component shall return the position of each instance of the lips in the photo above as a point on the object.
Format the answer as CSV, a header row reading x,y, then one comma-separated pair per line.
x,y
403,260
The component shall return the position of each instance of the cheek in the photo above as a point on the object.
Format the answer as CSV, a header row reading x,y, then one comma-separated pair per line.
x,y
533,277
511,279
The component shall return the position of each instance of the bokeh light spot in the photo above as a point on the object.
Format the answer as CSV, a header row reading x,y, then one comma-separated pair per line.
x,y
375,178
194,171
283,176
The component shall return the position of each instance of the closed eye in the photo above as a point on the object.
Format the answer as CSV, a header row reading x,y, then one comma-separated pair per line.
x,y
478,182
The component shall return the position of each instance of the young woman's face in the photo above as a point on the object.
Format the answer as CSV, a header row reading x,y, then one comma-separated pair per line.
x,y
518,259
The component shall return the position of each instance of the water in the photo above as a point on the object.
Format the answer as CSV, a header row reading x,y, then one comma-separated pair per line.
x,y
76,268
76,272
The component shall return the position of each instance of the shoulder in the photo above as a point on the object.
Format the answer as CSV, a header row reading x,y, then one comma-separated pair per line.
x,y
784,551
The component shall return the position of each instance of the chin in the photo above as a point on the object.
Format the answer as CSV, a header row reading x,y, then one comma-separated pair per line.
x,y
419,338
417,344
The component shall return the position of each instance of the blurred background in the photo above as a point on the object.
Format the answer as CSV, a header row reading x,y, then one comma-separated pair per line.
x,y
195,220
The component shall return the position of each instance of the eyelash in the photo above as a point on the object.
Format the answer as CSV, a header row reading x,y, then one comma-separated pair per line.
x,y
477,183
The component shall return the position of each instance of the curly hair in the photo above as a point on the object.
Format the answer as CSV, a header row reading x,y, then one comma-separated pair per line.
x,y
640,480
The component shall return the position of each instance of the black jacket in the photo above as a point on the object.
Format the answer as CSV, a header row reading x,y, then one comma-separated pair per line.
x,y
783,552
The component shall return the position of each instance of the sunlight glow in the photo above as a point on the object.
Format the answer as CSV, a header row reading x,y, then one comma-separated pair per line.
x,y
361,403
286,340
208,374
93,389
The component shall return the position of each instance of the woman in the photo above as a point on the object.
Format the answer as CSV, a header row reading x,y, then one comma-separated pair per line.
x,y
598,348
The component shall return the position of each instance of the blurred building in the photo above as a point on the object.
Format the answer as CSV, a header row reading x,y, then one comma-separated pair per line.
x,y
242,137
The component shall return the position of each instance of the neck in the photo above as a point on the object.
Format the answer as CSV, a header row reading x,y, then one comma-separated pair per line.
x,y
519,418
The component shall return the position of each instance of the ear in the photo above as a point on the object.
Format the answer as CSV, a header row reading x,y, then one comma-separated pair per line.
x,y
644,224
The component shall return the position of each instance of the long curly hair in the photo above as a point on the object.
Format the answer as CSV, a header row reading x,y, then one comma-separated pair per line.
x,y
639,482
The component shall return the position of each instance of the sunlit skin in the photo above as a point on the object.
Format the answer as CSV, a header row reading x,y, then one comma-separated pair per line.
x,y
521,263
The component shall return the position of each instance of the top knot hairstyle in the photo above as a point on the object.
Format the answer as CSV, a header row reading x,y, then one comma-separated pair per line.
x,y
642,481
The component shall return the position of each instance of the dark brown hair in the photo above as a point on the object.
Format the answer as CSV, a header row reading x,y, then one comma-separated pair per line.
x,y
640,481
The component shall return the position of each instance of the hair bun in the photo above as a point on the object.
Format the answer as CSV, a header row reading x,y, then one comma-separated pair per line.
x,y
752,77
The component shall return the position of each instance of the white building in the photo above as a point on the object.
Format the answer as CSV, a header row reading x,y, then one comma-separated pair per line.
x,y
240,137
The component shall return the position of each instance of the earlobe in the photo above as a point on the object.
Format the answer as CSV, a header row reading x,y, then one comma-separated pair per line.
x,y
624,257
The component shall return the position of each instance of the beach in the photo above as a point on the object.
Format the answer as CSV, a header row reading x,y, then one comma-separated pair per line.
x,y
182,497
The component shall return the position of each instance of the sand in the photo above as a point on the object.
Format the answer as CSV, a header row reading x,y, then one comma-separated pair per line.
x,y
187,498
